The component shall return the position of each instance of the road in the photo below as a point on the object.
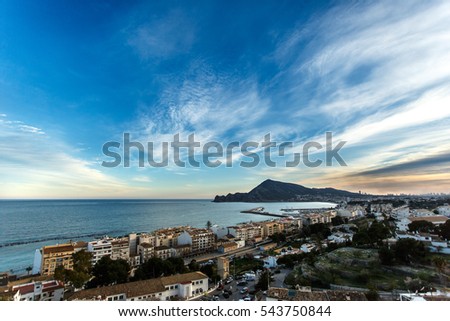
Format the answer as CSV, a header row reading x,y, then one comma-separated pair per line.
x,y
278,281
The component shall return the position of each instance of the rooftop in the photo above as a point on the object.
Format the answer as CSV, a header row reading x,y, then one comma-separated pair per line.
x,y
432,219
57,248
138,288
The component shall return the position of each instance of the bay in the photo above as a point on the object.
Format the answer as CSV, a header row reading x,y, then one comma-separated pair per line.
x,y
26,225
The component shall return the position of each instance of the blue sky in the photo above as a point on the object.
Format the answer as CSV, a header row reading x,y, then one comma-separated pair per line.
x,y
76,74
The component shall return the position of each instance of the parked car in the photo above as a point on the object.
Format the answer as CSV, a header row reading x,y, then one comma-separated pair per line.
x,y
244,290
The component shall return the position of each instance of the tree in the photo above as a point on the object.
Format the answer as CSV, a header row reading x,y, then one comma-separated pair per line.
x,y
208,225
29,269
338,220
152,268
440,263
264,280
278,237
409,250
108,272
386,256
60,274
421,226
177,264
211,271
194,266
372,295
82,268
375,234
444,230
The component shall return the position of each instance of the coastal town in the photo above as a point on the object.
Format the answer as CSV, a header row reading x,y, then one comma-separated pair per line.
x,y
379,249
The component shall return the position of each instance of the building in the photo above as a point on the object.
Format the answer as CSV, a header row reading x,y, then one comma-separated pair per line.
x,y
400,212
180,286
247,232
444,210
53,256
436,220
39,291
133,242
340,237
135,261
169,236
227,247
200,240
316,218
120,249
223,267
99,249
181,250
291,224
146,251
220,232
402,224
163,252
271,227
420,212
270,262
79,246
307,247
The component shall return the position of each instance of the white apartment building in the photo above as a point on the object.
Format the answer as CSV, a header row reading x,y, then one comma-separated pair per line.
x,y
99,249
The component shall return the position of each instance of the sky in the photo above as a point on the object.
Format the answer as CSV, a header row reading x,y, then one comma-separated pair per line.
x,y
75,75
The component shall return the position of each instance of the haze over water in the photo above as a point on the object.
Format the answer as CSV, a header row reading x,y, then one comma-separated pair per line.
x,y
28,225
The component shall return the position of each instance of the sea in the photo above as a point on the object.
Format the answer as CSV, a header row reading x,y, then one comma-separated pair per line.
x,y
27,225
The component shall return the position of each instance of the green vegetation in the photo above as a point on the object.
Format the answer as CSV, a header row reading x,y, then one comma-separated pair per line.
x,y
82,269
156,267
444,230
421,226
263,281
211,271
246,264
374,234
108,272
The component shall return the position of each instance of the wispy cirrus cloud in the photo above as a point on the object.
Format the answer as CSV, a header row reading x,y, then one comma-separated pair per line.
x,y
162,37
380,79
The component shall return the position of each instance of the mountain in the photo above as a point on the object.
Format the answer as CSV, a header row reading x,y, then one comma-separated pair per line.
x,y
274,191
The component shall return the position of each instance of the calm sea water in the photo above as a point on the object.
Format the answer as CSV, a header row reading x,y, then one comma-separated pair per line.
x,y
28,225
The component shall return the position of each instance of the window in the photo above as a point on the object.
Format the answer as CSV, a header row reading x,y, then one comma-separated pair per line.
x,y
176,286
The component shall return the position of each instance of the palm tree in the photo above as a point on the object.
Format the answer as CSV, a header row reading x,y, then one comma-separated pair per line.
x,y
440,263
29,269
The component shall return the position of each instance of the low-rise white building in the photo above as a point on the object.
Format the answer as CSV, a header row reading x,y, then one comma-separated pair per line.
x,y
400,212
444,210
420,212
39,291
340,237
175,287
270,262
